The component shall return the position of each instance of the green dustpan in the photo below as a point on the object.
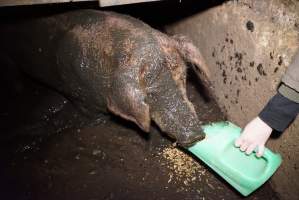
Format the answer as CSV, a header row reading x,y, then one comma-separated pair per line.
x,y
244,172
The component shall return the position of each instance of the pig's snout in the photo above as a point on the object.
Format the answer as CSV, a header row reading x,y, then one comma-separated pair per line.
x,y
189,138
180,123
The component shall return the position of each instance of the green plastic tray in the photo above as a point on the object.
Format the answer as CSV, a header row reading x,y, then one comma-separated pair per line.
x,y
244,172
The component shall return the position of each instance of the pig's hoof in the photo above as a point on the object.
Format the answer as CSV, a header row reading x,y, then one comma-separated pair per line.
x,y
188,140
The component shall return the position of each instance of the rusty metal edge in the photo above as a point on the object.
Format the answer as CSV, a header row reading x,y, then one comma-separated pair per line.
x,y
106,3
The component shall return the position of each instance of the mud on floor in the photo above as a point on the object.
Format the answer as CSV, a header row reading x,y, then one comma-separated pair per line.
x,y
50,151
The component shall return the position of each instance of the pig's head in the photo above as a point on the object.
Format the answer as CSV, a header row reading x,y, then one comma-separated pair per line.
x,y
157,90
169,106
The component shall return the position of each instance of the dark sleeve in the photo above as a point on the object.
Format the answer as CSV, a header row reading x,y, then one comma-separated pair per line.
x,y
291,77
279,112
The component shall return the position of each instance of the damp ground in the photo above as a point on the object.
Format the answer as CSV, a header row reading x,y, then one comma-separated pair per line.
x,y
51,151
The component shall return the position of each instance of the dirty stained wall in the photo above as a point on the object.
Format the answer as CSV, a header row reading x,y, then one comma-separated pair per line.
x,y
248,45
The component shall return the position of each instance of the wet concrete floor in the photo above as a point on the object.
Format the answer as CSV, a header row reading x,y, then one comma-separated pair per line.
x,y
50,151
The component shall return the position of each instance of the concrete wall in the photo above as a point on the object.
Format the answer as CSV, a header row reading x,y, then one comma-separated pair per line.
x,y
248,45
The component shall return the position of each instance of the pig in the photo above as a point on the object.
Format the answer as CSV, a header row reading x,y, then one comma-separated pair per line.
x,y
108,62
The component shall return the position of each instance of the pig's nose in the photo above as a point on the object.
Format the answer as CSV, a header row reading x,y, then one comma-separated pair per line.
x,y
189,138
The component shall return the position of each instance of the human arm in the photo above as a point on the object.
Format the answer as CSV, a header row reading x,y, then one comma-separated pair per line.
x,y
279,112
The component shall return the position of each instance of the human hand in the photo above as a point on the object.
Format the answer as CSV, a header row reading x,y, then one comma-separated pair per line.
x,y
255,134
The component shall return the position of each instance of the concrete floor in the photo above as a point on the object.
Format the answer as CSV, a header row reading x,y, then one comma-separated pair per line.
x,y
50,151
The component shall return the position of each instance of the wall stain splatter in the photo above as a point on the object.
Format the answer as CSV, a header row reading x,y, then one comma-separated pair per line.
x,y
239,58
260,69
250,26
271,55
280,61
214,52
222,48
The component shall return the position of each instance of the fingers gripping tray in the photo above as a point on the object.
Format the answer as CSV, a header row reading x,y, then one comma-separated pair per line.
x,y
244,172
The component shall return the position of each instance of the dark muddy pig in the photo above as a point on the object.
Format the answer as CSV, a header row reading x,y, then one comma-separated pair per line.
x,y
103,61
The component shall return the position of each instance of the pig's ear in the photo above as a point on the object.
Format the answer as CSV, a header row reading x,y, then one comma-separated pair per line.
x,y
127,101
191,54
